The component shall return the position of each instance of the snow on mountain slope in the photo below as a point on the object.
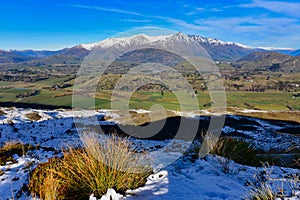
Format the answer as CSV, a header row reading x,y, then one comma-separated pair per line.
x,y
145,39
215,42
125,41
218,50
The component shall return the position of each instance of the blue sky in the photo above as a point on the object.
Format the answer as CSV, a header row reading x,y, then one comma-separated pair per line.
x,y
55,24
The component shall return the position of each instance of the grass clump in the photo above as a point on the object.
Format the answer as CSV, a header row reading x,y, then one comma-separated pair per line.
x,y
266,186
10,149
92,169
264,192
239,151
43,182
34,116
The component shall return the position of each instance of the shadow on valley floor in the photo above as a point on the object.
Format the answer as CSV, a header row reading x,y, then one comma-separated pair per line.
x,y
32,105
234,125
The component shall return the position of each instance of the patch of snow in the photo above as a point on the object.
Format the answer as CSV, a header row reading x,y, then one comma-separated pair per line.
x,y
276,48
252,111
14,177
111,195
227,129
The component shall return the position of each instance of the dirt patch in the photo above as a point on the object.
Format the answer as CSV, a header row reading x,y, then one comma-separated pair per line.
x,y
2,113
138,119
284,115
34,116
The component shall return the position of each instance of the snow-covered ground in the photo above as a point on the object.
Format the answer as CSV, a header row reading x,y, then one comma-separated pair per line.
x,y
207,179
187,178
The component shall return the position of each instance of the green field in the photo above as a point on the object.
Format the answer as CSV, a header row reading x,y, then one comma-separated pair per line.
x,y
49,94
144,100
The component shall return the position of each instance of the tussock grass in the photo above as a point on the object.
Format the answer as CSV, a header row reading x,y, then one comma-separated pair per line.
x,y
10,149
44,182
264,192
261,188
93,169
237,150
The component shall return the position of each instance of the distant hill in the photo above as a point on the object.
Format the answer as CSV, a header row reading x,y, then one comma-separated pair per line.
x,y
296,53
12,57
36,54
272,61
72,55
285,51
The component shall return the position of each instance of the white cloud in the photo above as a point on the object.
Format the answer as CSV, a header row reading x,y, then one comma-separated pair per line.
x,y
287,8
262,31
136,20
108,10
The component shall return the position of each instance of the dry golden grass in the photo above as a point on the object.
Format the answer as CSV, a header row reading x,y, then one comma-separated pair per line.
x,y
264,192
94,169
44,180
63,94
50,186
10,149
283,115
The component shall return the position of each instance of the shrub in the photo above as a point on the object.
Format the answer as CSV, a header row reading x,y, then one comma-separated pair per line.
x,y
34,116
93,169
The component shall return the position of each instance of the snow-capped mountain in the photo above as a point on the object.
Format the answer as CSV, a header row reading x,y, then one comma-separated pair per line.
x,y
216,42
145,39
125,41
217,49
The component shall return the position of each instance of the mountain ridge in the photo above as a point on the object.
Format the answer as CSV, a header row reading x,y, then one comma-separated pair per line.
x,y
217,49
272,61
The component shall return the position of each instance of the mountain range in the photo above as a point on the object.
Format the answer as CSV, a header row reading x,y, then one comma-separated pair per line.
x,y
218,50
